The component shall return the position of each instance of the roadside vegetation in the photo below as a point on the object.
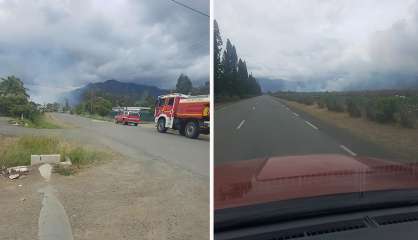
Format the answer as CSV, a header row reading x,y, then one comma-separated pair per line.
x,y
16,151
231,79
14,103
384,107
386,118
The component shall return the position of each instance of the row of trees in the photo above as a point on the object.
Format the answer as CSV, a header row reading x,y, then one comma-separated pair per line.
x,y
378,108
231,76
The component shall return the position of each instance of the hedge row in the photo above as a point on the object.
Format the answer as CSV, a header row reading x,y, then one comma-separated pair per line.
x,y
381,109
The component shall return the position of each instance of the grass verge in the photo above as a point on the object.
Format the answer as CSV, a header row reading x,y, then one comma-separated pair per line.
x,y
17,151
44,121
98,117
402,141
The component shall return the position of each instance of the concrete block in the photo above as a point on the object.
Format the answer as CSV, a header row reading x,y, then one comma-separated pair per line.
x,y
40,159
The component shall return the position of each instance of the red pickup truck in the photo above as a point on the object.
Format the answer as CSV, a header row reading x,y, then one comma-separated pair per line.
x,y
128,117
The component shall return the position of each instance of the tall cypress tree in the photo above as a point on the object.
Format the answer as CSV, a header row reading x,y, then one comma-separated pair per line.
x,y
243,86
217,65
230,74
229,64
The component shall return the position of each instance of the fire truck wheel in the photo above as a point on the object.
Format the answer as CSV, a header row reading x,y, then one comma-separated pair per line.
x,y
192,129
161,125
182,130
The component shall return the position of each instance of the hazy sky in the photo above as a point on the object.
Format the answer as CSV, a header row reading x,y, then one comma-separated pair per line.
x,y
340,43
58,45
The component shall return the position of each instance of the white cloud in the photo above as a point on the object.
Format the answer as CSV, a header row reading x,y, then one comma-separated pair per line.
x,y
337,42
65,44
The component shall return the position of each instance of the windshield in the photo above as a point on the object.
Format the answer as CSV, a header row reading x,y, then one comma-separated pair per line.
x,y
312,103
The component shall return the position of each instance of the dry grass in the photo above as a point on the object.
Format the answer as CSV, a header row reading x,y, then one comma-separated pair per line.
x,y
16,151
402,141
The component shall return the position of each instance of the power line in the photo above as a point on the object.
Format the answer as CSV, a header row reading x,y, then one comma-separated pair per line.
x,y
193,9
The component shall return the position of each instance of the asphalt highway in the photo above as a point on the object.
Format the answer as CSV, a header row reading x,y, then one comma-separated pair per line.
x,y
264,126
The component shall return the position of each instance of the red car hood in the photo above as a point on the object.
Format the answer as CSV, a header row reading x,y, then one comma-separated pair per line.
x,y
281,178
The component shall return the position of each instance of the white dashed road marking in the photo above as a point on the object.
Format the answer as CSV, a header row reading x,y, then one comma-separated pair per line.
x,y
310,124
348,150
240,125
297,115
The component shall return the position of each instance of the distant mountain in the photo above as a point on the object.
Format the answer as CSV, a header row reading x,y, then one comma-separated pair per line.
x,y
128,92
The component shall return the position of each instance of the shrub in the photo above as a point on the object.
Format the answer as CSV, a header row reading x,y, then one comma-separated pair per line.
x,y
353,108
321,102
407,116
386,109
308,100
334,105
80,156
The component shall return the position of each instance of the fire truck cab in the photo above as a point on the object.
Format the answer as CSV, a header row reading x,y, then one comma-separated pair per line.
x,y
187,114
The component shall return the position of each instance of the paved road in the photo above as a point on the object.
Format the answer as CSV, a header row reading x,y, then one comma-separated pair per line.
x,y
263,127
191,154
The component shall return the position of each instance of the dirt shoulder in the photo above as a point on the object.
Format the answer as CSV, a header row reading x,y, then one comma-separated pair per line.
x,y
402,141
132,196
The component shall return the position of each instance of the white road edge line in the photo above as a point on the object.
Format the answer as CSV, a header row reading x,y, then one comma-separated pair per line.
x,y
297,115
348,150
310,124
240,125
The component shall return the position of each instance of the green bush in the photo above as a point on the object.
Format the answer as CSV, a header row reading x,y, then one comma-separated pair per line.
x,y
334,105
407,116
80,156
386,109
307,100
353,108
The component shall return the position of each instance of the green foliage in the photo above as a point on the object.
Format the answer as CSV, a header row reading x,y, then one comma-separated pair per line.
x,y
20,152
80,156
94,104
231,78
407,117
334,104
386,108
184,84
14,101
353,107
374,106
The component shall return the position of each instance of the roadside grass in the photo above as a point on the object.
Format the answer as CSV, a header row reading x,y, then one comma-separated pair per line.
x,y
45,121
16,151
402,141
97,117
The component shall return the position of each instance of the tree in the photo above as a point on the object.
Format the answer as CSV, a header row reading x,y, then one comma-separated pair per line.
x,y
229,65
217,64
66,107
231,77
184,84
14,100
244,87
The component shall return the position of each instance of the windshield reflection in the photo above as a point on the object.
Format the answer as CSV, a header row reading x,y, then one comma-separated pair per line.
x,y
266,180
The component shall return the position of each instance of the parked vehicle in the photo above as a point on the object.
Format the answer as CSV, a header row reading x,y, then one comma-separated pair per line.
x,y
128,117
188,114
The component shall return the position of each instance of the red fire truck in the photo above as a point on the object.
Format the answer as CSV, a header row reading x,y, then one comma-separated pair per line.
x,y
188,114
